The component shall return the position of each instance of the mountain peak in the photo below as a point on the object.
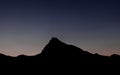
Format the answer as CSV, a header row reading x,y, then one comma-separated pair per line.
x,y
55,41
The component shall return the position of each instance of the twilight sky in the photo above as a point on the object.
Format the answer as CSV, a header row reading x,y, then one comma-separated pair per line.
x,y
26,26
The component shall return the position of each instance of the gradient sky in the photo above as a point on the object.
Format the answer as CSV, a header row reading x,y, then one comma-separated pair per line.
x,y
26,26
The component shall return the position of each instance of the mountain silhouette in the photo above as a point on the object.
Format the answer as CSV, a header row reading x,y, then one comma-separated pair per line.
x,y
57,54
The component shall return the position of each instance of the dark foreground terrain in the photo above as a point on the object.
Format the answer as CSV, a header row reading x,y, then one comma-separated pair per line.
x,y
60,58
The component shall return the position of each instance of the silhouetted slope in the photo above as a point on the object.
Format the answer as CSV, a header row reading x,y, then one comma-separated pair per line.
x,y
57,48
59,52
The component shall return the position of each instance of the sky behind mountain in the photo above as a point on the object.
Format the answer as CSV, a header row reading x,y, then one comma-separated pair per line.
x,y
26,26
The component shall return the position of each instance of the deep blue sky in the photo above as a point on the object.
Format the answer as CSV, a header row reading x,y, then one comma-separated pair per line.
x,y
26,26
